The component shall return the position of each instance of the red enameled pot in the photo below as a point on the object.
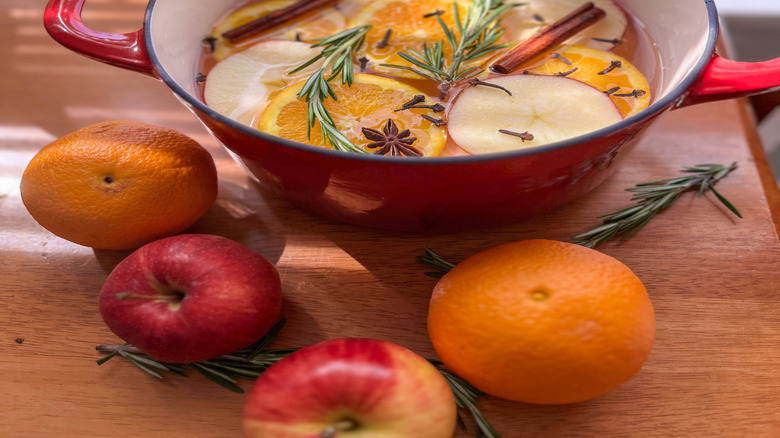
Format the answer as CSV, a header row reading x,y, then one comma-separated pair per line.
x,y
441,194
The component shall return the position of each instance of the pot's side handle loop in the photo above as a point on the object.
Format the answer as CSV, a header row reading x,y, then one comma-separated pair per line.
x,y
62,19
726,79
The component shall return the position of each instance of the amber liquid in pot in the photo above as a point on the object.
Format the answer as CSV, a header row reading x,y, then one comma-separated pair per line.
x,y
637,46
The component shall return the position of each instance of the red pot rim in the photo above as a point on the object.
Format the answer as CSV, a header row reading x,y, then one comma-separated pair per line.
x,y
670,99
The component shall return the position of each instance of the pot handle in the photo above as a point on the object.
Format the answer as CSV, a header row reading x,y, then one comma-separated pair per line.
x,y
62,19
726,79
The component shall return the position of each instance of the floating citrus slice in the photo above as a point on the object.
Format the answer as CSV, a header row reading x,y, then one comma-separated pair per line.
x,y
318,24
605,71
241,85
368,103
523,21
411,24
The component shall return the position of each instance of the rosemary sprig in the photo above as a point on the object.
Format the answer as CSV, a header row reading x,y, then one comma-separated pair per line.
x,y
435,261
224,370
466,398
474,36
338,51
252,361
654,196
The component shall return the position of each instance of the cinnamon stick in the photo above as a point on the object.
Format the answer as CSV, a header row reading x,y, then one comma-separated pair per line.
x,y
275,18
549,37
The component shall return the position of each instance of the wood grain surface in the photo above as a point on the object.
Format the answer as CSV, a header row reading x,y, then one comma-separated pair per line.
x,y
713,278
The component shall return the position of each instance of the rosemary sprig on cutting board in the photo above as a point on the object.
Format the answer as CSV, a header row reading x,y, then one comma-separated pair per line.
x,y
654,196
252,361
651,197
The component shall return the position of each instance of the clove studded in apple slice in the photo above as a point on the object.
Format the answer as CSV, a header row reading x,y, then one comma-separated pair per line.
x,y
520,111
241,85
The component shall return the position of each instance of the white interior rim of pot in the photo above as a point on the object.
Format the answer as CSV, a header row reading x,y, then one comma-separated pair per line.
x,y
185,8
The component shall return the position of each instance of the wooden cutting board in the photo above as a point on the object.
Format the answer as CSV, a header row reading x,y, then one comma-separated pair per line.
x,y
713,278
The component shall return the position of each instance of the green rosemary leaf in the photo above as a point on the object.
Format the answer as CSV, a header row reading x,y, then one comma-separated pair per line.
x,y
657,188
703,187
423,65
466,398
697,169
106,358
244,372
598,230
434,260
337,51
485,51
134,359
726,202
620,214
471,72
474,35
449,34
147,361
217,377
652,197
414,70
667,200
175,369
483,425
437,55
266,340
348,72
665,181
242,364
306,64
237,356
639,225
458,21
270,357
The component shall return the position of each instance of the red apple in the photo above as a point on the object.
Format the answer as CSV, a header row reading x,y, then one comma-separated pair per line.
x,y
350,387
191,297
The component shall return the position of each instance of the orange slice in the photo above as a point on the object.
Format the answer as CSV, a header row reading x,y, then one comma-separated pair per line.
x,y
522,22
368,103
592,66
318,24
409,26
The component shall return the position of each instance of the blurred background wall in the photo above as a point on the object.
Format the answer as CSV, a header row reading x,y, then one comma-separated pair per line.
x,y
751,29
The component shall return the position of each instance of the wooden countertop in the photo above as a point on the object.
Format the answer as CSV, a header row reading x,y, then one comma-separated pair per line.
x,y
713,278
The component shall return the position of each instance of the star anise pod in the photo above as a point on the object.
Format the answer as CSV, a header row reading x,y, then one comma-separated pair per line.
x,y
391,142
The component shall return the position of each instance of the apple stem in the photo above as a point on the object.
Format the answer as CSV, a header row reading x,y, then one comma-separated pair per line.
x,y
161,297
340,426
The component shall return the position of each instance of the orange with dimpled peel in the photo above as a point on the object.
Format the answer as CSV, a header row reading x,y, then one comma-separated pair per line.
x,y
541,321
119,185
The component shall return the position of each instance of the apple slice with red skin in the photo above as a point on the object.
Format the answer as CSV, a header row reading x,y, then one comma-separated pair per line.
x,y
507,113
191,297
350,387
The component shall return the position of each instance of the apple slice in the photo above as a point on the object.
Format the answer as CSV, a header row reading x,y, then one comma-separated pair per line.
x,y
523,21
242,84
544,108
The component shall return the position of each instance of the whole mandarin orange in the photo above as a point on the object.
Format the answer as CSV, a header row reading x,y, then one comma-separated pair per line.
x,y
542,321
119,184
